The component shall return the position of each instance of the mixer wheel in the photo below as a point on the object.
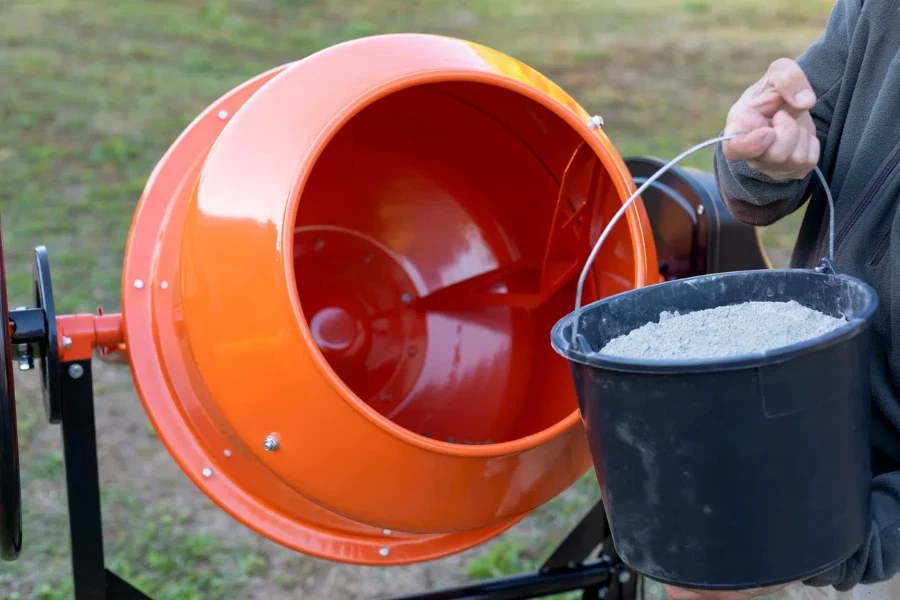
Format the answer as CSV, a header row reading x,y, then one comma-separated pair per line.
x,y
48,349
10,487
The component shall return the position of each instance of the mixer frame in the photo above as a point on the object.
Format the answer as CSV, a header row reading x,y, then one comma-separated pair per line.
x,y
584,561
568,568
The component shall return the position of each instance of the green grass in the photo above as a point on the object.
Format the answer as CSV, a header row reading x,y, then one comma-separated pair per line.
x,y
216,569
508,557
93,92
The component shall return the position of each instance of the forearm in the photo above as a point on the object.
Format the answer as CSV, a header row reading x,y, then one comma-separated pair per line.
x,y
879,558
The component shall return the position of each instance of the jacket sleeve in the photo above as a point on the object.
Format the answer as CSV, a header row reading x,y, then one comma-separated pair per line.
x,y
756,199
879,558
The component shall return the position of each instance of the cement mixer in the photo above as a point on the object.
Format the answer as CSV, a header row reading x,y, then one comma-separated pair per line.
x,y
337,295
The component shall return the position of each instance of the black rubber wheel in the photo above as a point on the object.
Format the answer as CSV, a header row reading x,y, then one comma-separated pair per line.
x,y
10,487
48,351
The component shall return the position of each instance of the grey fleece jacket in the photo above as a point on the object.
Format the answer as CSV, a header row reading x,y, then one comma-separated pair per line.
x,y
854,68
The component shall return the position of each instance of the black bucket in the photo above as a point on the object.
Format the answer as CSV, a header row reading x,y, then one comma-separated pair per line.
x,y
736,473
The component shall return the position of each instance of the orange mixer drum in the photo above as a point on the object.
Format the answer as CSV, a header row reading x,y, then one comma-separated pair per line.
x,y
339,286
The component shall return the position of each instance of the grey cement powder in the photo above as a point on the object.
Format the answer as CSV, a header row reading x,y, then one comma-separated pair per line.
x,y
748,328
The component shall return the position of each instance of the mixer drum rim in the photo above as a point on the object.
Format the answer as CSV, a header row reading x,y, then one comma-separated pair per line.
x,y
317,512
316,532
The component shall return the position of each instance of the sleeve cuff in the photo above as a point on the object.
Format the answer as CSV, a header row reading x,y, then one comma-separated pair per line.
x,y
742,169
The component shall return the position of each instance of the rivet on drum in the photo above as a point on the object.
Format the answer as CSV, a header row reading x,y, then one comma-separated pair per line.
x,y
271,443
207,472
223,114
384,551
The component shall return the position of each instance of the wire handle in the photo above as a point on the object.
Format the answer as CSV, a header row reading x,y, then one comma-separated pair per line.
x,y
578,340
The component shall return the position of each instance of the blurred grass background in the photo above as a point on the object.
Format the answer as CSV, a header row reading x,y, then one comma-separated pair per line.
x,y
92,93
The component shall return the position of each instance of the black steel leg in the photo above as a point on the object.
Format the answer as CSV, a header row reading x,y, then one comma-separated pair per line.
x,y
592,536
91,579
581,542
119,589
82,481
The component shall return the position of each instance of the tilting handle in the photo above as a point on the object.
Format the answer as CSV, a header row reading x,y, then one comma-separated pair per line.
x,y
577,340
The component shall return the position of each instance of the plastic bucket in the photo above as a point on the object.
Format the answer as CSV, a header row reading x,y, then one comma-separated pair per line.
x,y
744,472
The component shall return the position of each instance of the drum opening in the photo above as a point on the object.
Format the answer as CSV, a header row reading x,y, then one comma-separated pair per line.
x,y
432,248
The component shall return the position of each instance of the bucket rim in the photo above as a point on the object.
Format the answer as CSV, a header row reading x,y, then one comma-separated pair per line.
x,y
853,328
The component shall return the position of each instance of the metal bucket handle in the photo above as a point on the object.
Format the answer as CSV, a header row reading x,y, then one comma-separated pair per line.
x,y
578,340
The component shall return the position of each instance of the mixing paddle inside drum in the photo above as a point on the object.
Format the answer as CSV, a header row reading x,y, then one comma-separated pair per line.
x,y
734,472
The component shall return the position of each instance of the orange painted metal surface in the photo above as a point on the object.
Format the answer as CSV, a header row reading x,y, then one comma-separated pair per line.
x,y
78,335
359,256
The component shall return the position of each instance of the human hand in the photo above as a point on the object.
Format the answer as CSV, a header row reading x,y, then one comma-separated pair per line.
x,y
777,135
683,594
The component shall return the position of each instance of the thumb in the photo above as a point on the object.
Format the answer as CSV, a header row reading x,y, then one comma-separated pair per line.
x,y
788,78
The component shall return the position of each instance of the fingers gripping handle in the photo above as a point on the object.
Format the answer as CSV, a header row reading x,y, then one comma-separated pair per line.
x,y
578,341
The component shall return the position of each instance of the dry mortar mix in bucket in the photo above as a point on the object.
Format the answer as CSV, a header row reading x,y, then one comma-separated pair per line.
x,y
728,418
